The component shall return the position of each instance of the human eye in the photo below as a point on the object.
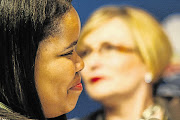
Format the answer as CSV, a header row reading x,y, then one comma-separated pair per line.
x,y
84,53
108,47
68,53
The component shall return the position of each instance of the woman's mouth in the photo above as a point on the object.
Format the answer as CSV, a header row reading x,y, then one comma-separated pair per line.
x,y
96,79
77,87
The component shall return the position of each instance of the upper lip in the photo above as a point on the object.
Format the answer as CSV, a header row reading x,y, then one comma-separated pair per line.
x,y
77,80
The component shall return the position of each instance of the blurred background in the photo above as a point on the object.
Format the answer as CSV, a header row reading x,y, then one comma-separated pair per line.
x,y
166,12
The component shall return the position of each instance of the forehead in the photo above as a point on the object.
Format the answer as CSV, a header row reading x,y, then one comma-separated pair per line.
x,y
69,26
114,31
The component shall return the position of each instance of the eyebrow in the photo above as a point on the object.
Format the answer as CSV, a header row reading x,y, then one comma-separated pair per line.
x,y
72,44
119,47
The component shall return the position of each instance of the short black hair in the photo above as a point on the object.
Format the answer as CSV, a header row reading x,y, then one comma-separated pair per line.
x,y
23,24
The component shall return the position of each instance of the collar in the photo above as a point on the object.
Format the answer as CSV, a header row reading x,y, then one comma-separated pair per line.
x,y
3,106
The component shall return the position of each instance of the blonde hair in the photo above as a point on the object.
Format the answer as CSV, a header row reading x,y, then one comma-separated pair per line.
x,y
151,42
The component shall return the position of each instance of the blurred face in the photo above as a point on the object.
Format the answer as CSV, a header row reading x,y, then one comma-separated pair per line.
x,y
57,67
112,65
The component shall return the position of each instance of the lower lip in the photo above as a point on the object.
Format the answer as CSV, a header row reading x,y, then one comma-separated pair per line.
x,y
77,87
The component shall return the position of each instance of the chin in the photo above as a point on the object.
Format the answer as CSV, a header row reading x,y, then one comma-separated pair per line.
x,y
70,107
61,108
56,113
71,103
98,96
52,115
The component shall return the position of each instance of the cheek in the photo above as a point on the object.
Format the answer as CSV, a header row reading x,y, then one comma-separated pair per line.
x,y
53,79
60,71
56,72
124,64
129,71
126,70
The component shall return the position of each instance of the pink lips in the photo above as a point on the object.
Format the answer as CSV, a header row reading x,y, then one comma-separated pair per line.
x,y
77,87
96,79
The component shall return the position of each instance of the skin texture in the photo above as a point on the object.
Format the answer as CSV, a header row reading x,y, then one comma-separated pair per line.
x,y
57,68
113,62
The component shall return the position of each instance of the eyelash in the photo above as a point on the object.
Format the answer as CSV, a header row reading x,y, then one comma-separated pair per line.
x,y
68,53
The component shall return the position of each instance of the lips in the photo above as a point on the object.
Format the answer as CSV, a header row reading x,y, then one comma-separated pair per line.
x,y
96,79
77,87
77,84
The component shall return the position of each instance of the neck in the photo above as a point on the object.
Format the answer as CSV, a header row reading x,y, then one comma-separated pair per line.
x,y
129,107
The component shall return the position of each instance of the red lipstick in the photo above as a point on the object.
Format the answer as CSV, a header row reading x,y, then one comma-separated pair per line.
x,y
96,79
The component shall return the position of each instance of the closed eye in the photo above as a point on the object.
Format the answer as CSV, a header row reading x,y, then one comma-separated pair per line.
x,y
107,46
68,53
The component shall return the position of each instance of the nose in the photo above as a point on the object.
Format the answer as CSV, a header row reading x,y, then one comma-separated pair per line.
x,y
79,63
93,61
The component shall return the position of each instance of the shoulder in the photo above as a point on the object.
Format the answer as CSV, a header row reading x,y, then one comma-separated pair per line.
x,y
171,106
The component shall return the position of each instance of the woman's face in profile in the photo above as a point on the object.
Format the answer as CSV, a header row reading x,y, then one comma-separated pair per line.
x,y
57,67
112,65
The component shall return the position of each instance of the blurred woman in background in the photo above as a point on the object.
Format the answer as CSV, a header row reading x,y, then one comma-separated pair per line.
x,y
125,52
39,66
